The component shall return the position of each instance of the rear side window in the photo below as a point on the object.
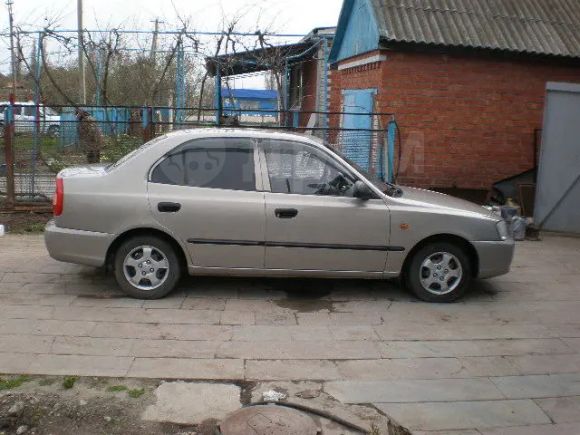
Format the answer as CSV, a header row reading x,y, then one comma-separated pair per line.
x,y
210,163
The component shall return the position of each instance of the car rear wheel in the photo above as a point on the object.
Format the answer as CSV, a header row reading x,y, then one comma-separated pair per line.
x,y
439,272
146,267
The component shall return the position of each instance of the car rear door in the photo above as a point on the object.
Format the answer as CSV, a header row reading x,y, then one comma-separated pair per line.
x,y
310,226
208,193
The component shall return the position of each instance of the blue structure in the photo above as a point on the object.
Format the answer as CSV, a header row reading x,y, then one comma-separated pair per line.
x,y
358,103
357,31
110,120
252,102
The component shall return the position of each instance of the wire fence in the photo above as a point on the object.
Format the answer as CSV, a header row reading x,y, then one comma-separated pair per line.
x,y
36,145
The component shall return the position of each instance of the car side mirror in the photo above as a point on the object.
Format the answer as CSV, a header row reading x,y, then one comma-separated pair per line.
x,y
362,191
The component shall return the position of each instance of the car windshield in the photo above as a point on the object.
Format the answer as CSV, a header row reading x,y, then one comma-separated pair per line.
x,y
385,187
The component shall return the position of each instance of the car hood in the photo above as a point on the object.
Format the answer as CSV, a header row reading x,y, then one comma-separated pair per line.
x,y
433,199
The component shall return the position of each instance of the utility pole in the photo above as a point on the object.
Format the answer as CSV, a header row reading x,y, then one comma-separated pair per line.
x,y
12,47
9,126
82,84
154,40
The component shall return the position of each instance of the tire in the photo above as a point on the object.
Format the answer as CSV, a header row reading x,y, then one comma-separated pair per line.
x,y
146,267
445,278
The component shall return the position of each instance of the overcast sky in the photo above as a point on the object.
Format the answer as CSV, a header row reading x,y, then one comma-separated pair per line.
x,y
282,16
295,16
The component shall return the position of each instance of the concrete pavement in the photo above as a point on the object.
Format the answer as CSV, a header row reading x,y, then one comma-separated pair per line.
x,y
505,360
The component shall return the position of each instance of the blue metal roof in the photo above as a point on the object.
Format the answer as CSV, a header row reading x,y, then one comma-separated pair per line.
x,y
254,94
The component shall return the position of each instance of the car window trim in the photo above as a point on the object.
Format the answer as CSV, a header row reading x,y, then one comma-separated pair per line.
x,y
181,148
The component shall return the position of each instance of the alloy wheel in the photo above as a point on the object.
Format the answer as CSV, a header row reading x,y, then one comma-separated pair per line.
x,y
440,273
146,267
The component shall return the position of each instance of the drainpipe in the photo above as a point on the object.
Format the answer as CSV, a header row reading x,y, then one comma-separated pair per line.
x,y
324,123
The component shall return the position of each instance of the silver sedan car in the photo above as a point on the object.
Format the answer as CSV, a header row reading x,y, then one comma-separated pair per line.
x,y
240,202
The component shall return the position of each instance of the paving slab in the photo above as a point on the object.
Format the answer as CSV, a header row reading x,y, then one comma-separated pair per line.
x,y
545,429
408,368
461,415
298,350
174,348
92,346
406,329
420,390
25,343
17,363
192,403
185,368
411,349
166,331
538,386
546,364
291,370
562,409
80,365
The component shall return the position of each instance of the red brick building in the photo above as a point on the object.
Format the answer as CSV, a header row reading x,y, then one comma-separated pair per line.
x,y
466,83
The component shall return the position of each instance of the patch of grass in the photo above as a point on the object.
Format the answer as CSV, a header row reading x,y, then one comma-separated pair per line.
x,y
10,384
69,382
117,388
46,382
135,393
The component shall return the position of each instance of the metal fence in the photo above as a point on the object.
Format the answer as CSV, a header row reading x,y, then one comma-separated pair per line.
x,y
36,148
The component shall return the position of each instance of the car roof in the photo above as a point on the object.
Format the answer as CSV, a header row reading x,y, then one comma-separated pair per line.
x,y
244,132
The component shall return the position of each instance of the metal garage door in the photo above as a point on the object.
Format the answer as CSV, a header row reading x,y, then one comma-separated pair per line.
x,y
558,188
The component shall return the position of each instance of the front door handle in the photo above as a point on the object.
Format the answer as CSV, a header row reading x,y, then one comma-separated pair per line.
x,y
168,207
286,213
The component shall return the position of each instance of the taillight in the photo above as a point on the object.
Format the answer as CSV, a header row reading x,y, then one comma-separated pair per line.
x,y
58,199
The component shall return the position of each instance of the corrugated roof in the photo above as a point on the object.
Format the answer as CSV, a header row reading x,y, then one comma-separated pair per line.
x,y
256,94
545,27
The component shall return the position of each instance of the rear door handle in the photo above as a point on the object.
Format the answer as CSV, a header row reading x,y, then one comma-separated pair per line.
x,y
168,207
286,213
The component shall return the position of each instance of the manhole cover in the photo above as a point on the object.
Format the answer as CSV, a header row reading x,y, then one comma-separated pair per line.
x,y
268,420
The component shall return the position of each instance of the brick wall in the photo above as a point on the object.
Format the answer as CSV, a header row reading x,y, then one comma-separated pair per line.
x,y
466,120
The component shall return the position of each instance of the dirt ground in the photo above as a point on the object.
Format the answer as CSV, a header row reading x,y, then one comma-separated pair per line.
x,y
24,222
76,406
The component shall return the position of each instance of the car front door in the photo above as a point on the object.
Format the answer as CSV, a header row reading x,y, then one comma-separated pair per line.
x,y
207,193
313,222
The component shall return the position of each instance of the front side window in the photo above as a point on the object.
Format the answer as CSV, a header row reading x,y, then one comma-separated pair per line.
x,y
301,169
209,163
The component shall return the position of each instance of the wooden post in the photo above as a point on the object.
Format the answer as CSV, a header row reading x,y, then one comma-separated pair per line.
x,y
147,122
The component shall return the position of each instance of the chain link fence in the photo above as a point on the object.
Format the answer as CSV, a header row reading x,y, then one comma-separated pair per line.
x,y
38,147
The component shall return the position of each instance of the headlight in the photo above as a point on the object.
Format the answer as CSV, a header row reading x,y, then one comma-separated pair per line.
x,y
502,230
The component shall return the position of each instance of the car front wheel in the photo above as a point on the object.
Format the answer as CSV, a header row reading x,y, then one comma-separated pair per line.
x,y
439,272
146,267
